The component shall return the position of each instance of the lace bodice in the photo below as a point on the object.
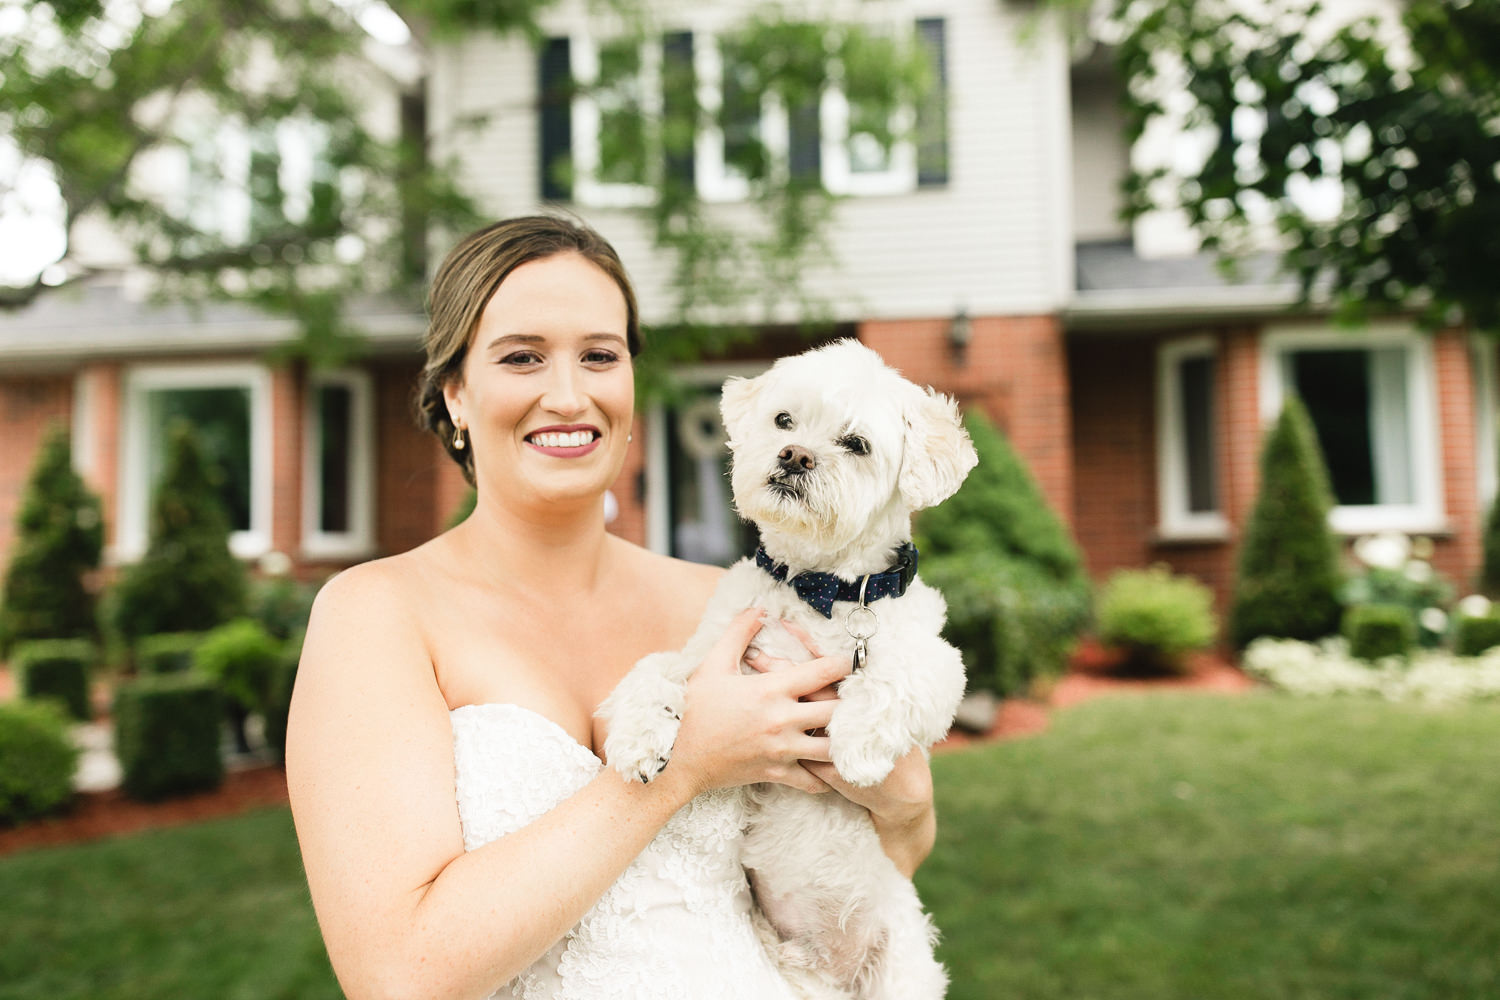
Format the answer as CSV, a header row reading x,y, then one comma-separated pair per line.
x,y
674,926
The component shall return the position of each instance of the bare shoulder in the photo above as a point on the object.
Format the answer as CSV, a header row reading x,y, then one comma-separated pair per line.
x,y
677,590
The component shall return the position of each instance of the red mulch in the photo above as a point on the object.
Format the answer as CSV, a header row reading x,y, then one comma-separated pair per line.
x,y
95,815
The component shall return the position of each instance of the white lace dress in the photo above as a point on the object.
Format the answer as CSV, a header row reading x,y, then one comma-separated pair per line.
x,y
674,926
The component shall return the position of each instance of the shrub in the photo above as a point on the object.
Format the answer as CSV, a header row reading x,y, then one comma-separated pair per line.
x,y
37,760
167,732
281,605
1375,631
1395,573
188,580
1473,634
167,652
1288,577
241,658
1489,571
57,668
1155,618
280,703
59,538
1013,578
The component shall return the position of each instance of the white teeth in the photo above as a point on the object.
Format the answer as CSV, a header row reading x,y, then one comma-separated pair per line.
x,y
572,439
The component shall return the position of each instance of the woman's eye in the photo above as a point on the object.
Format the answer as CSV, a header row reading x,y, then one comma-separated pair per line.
x,y
521,358
784,421
854,444
601,357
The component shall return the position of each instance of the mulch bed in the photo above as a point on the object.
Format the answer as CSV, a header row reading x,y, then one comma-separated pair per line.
x,y
95,815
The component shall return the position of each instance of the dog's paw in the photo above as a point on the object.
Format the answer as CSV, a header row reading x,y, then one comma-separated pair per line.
x,y
641,751
861,762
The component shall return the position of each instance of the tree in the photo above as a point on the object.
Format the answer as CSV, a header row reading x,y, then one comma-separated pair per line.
x,y
188,580
59,539
92,92
1366,152
1288,580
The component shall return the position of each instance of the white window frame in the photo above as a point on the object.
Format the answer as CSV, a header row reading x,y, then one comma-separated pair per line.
x,y
1174,520
583,54
135,490
716,180
359,540
839,175
1426,513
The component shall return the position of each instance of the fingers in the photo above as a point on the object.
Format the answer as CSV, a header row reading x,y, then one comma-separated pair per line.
x,y
805,678
731,646
800,634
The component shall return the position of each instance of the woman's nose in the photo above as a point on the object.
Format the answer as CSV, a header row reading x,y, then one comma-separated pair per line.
x,y
564,394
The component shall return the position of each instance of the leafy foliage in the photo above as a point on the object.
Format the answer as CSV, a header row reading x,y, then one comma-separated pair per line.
x,y
1016,591
1394,123
167,735
37,760
1155,617
59,539
1288,578
188,581
57,669
1475,634
1375,631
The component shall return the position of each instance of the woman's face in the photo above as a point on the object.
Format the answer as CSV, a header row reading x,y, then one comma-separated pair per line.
x,y
548,391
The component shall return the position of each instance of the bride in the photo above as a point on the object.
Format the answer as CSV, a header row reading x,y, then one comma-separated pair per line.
x,y
460,834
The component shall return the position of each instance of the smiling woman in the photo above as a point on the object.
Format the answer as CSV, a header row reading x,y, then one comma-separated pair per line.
x,y
445,703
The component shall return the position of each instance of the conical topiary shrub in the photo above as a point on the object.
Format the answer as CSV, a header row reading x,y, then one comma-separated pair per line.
x,y
1288,580
188,580
59,539
1012,576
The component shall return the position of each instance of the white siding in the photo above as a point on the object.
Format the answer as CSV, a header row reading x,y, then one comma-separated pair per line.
x,y
996,239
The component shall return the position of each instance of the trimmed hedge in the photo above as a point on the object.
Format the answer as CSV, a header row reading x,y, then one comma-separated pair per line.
x,y
1379,630
167,652
279,705
1473,635
167,735
37,760
1155,618
57,668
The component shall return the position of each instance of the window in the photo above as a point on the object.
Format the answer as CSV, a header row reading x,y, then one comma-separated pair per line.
x,y
228,407
1371,403
338,466
613,112
1187,463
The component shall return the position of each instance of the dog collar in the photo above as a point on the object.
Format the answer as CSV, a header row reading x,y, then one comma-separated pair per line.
x,y
820,590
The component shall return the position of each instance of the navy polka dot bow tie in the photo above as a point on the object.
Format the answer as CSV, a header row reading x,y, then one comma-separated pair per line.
x,y
820,590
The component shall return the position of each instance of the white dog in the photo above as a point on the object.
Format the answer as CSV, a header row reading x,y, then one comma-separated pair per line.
x,y
832,452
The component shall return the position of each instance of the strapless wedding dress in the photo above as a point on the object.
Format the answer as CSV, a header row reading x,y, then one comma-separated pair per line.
x,y
676,925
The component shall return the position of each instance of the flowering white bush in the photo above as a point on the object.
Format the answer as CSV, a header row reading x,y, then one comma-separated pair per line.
x,y
1325,668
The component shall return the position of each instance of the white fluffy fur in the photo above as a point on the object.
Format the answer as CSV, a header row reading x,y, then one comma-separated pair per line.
x,y
840,918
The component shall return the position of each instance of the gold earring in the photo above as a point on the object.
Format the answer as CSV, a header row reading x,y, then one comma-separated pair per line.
x,y
458,439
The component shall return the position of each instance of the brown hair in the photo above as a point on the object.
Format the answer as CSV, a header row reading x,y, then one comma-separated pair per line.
x,y
467,279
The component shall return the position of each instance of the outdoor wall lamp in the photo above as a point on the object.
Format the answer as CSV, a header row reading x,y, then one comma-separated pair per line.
x,y
960,332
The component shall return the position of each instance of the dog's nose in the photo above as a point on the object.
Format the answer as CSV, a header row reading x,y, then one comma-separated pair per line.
x,y
796,459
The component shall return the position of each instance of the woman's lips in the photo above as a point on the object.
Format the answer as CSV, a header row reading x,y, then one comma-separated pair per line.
x,y
565,442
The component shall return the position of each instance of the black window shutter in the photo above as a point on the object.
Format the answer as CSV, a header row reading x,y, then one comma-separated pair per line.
x,y
678,106
805,143
932,109
555,119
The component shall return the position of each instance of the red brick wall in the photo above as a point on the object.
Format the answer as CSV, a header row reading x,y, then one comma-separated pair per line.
x,y
29,405
288,419
1015,370
1458,556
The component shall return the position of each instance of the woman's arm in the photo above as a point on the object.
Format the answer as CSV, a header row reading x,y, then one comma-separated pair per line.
x,y
403,909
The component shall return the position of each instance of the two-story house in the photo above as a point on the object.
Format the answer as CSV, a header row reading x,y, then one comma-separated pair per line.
x,y
985,257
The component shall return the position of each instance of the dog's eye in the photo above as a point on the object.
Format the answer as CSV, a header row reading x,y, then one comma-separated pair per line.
x,y
784,421
854,444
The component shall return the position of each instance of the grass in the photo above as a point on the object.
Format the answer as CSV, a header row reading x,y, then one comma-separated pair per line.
x,y
1194,847
1164,846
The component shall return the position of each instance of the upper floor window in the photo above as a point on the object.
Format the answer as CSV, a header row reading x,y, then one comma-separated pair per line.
x,y
618,115
1371,401
1186,419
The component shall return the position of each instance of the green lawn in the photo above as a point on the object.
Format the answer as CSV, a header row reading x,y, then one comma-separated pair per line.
x,y
1196,847
1165,846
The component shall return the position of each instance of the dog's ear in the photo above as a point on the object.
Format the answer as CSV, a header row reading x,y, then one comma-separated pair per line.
x,y
936,452
736,402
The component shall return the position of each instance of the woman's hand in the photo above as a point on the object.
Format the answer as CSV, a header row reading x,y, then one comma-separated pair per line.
x,y
740,728
901,806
